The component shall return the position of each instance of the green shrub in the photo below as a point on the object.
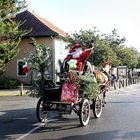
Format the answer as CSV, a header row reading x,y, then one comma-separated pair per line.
x,y
89,86
8,83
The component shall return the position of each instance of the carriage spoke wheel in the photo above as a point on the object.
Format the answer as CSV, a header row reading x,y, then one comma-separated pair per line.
x,y
84,112
97,107
41,111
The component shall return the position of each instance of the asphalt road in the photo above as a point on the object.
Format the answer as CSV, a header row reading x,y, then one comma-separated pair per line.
x,y
120,120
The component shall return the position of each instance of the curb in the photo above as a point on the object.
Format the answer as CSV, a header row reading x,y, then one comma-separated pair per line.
x,y
12,92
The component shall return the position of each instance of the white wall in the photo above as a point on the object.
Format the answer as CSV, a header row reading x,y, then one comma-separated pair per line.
x,y
60,52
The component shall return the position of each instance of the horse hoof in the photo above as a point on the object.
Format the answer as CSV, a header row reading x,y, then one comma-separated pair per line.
x,y
104,102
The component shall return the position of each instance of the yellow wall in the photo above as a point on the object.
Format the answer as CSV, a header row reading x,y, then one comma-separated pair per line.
x,y
24,49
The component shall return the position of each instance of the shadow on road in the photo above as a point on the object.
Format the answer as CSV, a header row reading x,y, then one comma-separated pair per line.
x,y
14,122
106,135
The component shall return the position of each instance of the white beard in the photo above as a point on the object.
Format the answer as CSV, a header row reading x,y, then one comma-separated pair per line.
x,y
76,54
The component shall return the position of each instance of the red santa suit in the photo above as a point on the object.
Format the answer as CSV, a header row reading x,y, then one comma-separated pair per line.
x,y
79,56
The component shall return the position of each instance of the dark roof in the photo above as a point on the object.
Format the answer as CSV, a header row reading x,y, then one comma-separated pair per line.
x,y
39,26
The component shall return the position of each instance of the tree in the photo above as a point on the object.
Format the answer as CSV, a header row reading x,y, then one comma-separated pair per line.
x,y
117,44
10,35
115,40
103,53
107,47
138,65
129,57
40,61
84,37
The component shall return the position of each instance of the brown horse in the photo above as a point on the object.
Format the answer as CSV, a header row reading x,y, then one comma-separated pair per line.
x,y
103,77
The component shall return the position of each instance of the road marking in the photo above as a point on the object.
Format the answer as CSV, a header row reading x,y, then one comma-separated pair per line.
x,y
34,129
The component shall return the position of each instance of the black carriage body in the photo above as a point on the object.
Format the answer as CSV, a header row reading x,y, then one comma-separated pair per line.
x,y
52,92
52,96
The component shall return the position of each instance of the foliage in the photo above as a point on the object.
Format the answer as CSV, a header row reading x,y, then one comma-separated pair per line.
x,y
84,37
88,86
113,44
40,61
8,83
103,52
129,57
138,65
36,89
10,34
41,58
115,40
106,47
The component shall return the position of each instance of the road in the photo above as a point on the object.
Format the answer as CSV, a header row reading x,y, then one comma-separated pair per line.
x,y
119,121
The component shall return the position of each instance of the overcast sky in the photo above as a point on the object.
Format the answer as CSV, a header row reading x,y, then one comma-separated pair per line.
x,y
73,15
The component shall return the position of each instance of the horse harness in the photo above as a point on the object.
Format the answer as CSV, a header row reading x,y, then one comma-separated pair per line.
x,y
104,72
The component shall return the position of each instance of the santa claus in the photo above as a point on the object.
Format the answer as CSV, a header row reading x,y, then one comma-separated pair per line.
x,y
76,58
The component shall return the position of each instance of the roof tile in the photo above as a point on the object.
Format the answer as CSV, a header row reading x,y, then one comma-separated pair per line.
x,y
39,26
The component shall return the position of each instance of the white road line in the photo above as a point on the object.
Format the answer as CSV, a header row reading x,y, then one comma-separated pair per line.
x,y
34,129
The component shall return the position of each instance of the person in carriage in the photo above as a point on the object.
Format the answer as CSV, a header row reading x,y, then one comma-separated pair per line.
x,y
76,58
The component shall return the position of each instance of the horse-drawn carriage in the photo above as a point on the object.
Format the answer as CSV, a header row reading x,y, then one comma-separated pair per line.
x,y
51,102
66,97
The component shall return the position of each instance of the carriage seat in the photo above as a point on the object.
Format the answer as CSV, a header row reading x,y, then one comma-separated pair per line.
x,y
52,91
50,84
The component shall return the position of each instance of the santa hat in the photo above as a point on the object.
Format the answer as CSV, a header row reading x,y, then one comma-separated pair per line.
x,y
75,47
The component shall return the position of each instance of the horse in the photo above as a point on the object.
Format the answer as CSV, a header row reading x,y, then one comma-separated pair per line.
x,y
103,78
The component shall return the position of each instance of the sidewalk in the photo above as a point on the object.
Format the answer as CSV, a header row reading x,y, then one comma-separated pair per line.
x,y
13,92
17,92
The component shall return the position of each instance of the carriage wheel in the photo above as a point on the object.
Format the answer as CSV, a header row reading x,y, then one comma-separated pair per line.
x,y
84,112
41,112
97,107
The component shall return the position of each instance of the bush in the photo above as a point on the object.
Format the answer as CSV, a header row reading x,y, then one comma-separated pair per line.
x,y
89,86
8,83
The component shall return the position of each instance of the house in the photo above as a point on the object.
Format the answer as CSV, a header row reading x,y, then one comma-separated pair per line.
x,y
44,32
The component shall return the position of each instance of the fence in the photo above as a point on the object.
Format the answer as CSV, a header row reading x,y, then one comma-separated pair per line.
x,y
123,82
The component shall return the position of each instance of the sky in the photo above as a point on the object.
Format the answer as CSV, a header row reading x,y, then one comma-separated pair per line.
x,y
106,15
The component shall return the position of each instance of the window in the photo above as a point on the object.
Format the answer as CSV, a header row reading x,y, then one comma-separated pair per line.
x,y
20,64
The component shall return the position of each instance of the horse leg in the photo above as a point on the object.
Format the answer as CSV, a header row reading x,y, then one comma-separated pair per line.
x,y
104,95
